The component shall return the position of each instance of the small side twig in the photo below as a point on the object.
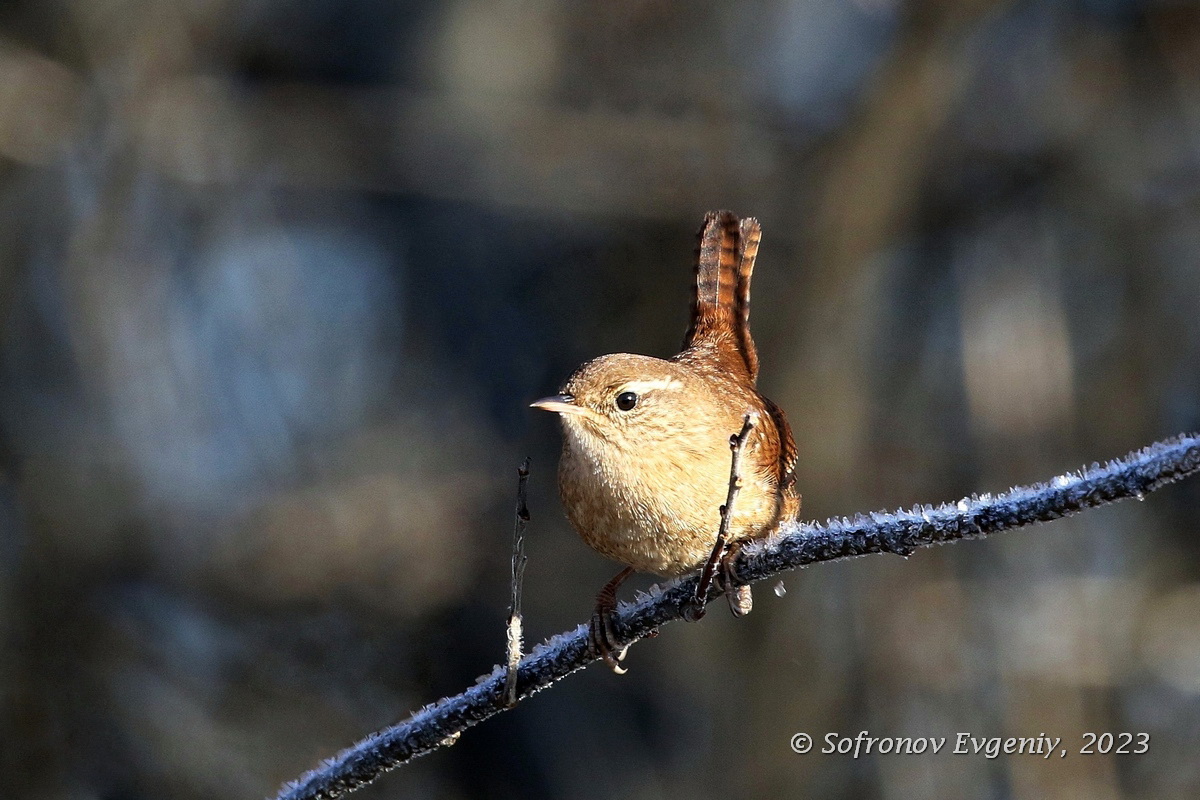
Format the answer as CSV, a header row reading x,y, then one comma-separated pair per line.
x,y
515,623
737,442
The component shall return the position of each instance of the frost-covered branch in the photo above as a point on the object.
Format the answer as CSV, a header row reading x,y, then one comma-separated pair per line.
x,y
1135,475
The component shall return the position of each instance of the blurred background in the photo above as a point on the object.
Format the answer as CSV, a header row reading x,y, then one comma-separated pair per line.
x,y
279,278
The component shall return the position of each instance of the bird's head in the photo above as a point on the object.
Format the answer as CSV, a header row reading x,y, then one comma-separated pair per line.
x,y
628,402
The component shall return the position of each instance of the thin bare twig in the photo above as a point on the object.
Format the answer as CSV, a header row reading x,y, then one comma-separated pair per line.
x,y
737,442
515,623
796,545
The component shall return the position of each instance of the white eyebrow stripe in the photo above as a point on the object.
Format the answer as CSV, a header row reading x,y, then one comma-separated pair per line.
x,y
645,386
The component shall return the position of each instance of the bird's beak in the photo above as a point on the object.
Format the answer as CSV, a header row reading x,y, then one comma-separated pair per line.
x,y
559,403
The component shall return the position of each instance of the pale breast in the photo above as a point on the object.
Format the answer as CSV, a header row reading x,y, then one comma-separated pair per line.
x,y
660,512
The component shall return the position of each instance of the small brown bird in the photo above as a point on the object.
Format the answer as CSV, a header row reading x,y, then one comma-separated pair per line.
x,y
645,465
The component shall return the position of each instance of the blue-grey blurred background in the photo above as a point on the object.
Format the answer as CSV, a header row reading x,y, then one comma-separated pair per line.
x,y
278,279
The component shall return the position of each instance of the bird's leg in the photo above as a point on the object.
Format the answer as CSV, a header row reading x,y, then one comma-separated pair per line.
x,y
602,641
741,599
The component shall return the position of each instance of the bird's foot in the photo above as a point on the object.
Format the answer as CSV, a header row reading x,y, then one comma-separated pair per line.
x,y
740,597
602,640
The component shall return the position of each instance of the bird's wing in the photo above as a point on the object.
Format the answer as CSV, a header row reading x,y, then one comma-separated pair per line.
x,y
782,452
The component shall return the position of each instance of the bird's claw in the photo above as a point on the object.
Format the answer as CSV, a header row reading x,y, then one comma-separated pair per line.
x,y
602,641
741,599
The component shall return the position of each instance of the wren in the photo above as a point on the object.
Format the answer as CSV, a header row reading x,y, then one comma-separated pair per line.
x,y
645,463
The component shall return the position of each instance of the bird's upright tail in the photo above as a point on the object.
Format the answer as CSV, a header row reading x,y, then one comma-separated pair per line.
x,y
721,304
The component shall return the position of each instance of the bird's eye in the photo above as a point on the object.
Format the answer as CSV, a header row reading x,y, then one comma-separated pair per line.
x,y
626,400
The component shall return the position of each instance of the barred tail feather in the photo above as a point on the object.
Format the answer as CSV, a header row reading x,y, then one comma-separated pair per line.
x,y
749,235
721,305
